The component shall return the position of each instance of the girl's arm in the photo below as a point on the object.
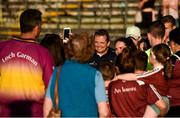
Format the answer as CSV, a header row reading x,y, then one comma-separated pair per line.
x,y
161,104
155,110
47,106
103,109
150,112
128,77
100,95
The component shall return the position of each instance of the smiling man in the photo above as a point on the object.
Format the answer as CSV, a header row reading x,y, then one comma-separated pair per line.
x,y
103,52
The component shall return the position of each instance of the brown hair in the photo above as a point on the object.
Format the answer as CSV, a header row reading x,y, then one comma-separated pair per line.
x,y
146,44
79,47
163,53
175,35
157,29
141,60
102,32
168,19
29,19
55,46
108,70
127,41
125,61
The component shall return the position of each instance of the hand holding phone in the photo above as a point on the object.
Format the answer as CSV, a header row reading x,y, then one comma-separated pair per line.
x,y
66,33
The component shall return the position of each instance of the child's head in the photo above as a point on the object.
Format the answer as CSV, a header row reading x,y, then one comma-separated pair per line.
x,y
141,60
108,70
161,54
125,61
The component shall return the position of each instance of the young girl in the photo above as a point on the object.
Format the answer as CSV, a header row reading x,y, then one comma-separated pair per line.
x,y
162,70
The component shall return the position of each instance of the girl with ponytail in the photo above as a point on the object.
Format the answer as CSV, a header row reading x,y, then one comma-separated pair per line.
x,y
157,78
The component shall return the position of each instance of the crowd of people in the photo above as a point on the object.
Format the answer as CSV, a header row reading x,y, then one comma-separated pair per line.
x,y
147,11
86,77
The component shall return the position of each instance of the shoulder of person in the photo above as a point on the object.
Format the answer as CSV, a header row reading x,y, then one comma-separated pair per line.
x,y
148,52
148,73
175,57
111,51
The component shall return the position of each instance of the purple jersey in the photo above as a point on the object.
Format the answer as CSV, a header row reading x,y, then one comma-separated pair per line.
x,y
25,69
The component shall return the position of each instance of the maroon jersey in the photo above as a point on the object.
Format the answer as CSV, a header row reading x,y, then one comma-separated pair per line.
x,y
156,78
174,86
130,98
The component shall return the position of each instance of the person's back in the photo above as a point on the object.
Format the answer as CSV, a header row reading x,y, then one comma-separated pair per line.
x,y
157,78
25,73
23,60
155,35
78,81
81,87
141,59
174,83
129,98
55,46
108,71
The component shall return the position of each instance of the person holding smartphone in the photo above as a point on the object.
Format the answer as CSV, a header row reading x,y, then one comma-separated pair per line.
x,y
81,87
66,34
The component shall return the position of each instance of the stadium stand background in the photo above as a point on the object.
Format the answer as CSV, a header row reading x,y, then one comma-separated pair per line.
x,y
113,15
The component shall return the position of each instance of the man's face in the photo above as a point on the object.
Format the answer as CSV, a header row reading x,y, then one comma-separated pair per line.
x,y
101,44
119,46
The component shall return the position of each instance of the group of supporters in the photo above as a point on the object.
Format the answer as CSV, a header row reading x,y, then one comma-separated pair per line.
x,y
138,78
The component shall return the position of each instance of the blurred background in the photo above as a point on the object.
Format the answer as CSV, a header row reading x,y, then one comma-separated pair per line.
x,y
113,15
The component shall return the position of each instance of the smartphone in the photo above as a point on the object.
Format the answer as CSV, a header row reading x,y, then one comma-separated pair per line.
x,y
66,33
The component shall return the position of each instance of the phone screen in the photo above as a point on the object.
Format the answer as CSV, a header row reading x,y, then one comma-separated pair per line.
x,y
66,33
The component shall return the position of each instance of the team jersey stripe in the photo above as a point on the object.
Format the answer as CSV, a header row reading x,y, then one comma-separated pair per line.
x,y
155,91
149,73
